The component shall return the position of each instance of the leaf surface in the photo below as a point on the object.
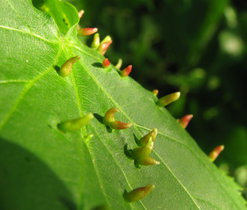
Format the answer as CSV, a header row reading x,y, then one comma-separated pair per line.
x,y
43,168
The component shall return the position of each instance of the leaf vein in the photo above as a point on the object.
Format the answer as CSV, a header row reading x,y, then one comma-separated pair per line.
x,y
119,107
28,33
13,81
25,90
125,176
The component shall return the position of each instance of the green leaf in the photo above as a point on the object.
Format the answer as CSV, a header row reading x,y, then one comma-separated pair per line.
x,y
63,13
44,168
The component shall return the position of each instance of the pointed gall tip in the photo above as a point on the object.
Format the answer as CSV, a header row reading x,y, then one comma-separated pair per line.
x,y
96,41
176,95
139,193
216,152
81,13
185,120
150,161
126,72
87,31
107,39
119,63
156,92
151,136
77,58
120,125
154,133
89,116
156,162
103,47
106,63
167,99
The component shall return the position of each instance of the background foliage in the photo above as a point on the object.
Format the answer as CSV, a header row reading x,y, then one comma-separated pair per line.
x,y
196,46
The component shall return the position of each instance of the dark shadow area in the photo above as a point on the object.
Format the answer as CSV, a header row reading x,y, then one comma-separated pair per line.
x,y
26,183
38,3
136,139
97,64
68,203
127,151
65,22
101,207
125,195
129,155
57,68
101,120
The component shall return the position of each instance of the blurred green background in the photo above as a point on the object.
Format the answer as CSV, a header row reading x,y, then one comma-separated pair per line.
x,y
195,46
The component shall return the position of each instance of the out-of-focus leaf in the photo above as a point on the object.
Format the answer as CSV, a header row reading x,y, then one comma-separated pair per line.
x,y
189,26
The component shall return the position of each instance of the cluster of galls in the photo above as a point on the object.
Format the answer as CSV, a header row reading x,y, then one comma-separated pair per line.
x,y
141,154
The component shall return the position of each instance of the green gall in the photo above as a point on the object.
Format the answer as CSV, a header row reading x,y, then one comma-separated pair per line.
x,y
119,64
141,155
138,194
75,124
167,99
66,68
96,41
150,136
